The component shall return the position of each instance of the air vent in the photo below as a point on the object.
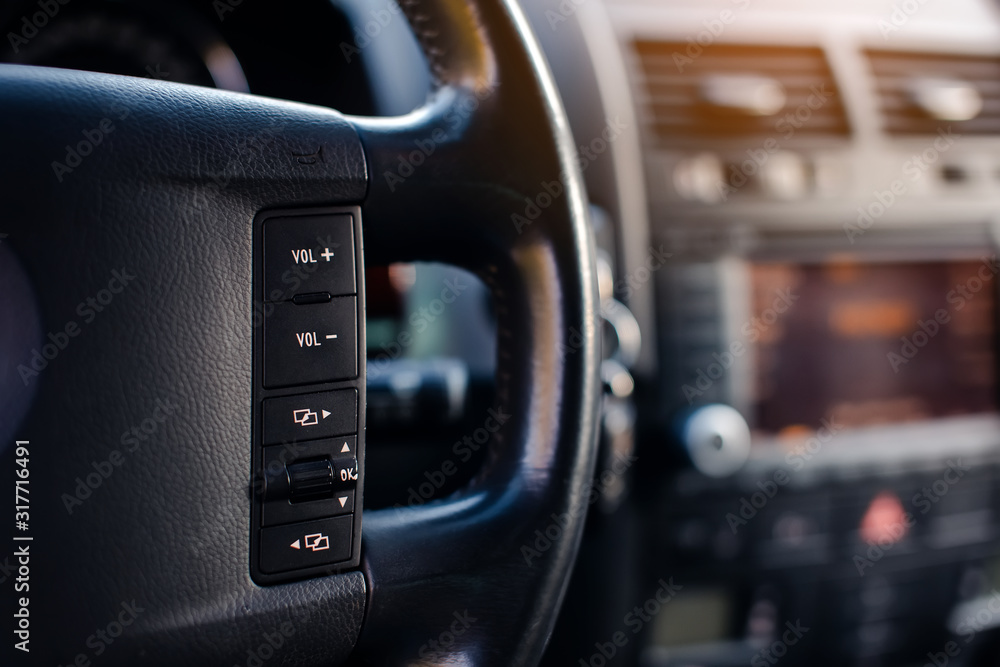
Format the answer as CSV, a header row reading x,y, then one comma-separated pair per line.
x,y
920,93
738,91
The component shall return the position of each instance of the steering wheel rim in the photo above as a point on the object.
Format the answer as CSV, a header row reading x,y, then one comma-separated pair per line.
x,y
484,61
493,141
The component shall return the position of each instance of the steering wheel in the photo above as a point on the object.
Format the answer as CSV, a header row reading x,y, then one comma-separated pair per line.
x,y
128,305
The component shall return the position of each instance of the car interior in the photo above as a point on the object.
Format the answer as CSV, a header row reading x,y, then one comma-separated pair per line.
x,y
481,333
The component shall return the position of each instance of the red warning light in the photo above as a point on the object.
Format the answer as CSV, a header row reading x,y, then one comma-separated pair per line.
x,y
885,520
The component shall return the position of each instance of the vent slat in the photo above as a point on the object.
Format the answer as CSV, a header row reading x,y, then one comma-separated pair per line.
x,y
671,85
894,72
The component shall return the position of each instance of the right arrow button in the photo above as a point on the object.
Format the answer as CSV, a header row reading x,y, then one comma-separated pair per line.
x,y
310,416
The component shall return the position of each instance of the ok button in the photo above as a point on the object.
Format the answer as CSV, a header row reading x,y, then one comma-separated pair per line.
x,y
305,344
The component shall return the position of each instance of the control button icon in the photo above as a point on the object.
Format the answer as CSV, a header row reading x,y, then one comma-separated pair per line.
x,y
317,542
312,416
308,544
305,417
314,542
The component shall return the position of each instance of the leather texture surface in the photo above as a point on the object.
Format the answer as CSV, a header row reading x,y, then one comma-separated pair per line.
x,y
143,418
485,177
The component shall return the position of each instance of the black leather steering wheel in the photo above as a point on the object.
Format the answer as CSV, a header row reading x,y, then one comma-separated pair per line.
x,y
152,567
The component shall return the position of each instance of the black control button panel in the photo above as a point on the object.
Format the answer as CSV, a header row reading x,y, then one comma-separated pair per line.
x,y
301,545
308,255
311,343
310,416
309,394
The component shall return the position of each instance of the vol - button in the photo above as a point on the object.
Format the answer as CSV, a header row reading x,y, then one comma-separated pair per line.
x,y
305,344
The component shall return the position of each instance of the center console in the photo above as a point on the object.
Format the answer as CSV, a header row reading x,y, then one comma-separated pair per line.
x,y
828,193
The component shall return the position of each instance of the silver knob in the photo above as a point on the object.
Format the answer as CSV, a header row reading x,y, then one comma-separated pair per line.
x,y
716,438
